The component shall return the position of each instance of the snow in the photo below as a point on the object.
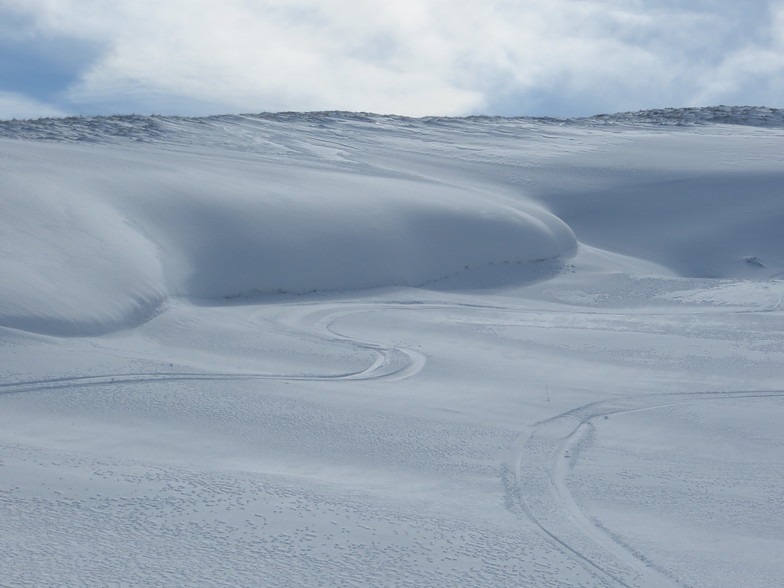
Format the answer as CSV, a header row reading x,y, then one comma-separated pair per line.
x,y
200,225
351,349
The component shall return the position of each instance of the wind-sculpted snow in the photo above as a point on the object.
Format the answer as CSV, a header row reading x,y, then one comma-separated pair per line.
x,y
753,116
105,218
337,349
224,128
103,236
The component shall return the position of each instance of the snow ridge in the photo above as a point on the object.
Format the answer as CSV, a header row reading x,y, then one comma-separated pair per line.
x,y
178,129
753,116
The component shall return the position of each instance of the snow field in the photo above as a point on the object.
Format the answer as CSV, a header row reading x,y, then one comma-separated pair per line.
x,y
349,350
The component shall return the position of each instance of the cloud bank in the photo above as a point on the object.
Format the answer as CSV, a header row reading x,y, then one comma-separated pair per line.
x,y
416,57
13,105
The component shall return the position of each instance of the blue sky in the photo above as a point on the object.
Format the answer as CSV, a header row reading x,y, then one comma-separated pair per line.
x,y
410,57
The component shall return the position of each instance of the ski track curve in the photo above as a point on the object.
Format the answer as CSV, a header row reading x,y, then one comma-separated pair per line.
x,y
390,362
393,362
541,462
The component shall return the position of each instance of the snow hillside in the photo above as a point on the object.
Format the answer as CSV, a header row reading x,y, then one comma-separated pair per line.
x,y
105,236
308,349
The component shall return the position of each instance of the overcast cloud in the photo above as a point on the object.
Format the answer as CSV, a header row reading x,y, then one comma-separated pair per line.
x,y
413,57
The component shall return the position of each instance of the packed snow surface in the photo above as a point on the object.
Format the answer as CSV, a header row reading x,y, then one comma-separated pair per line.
x,y
341,349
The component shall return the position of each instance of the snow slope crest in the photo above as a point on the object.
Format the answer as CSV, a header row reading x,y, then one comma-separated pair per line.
x,y
753,116
230,130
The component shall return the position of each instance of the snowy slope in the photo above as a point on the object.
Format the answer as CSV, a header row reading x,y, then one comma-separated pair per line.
x,y
105,236
351,349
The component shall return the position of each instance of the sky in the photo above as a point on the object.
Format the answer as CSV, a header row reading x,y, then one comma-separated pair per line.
x,y
410,57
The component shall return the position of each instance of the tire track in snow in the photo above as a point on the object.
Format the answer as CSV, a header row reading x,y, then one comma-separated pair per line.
x,y
541,463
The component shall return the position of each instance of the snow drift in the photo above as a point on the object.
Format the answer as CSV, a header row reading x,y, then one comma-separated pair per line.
x,y
97,238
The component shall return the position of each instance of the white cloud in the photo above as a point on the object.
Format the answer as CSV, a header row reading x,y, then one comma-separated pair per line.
x,y
417,57
757,68
13,105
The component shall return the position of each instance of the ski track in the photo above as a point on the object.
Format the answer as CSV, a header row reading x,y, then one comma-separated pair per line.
x,y
390,363
542,461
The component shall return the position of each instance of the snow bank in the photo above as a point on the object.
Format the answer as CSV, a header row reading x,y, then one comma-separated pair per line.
x,y
71,264
96,238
